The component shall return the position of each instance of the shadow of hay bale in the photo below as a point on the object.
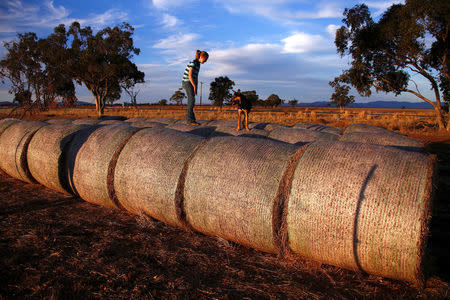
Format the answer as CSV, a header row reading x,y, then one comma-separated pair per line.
x,y
231,185
14,142
112,122
46,154
361,207
319,127
91,178
231,131
299,136
148,171
111,118
86,121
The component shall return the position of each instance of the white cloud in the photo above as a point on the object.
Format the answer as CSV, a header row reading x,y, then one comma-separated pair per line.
x,y
170,21
181,47
302,42
331,30
167,4
381,6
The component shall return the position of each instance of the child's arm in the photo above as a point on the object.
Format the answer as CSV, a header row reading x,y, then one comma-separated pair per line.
x,y
192,80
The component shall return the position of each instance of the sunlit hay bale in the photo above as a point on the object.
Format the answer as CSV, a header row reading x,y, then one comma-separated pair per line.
x,y
386,138
130,120
14,142
269,126
59,121
86,121
92,161
5,123
223,123
46,154
318,127
299,136
148,171
166,121
203,131
231,189
112,122
146,123
356,127
361,207
231,131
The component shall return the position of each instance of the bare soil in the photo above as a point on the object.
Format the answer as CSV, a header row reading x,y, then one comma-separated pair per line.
x,y
56,246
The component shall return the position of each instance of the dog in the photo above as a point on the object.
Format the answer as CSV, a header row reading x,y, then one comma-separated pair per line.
x,y
244,106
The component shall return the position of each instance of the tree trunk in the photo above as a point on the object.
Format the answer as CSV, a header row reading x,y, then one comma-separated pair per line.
x,y
440,118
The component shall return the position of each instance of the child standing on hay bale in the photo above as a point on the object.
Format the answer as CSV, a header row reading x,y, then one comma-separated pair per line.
x,y
190,83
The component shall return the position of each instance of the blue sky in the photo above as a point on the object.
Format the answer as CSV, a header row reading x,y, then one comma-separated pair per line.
x,y
284,47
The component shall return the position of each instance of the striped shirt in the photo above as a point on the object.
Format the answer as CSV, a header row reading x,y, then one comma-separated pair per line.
x,y
195,64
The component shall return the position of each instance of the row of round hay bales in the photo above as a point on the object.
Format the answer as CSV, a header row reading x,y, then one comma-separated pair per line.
x,y
358,206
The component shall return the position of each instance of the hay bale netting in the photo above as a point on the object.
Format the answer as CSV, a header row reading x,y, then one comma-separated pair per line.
x,y
59,121
356,127
146,124
231,131
318,127
166,121
387,138
86,121
231,189
47,154
148,171
361,207
14,144
5,123
203,131
112,122
299,136
93,152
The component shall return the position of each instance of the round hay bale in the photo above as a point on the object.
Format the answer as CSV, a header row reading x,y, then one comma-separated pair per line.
x,y
356,127
46,155
231,188
270,126
231,131
112,122
148,171
387,138
166,121
361,207
110,118
223,123
59,121
86,121
130,120
14,142
299,136
92,161
5,123
319,127
203,131
147,124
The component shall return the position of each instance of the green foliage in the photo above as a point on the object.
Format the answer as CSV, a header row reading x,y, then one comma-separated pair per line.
x,y
252,96
220,90
273,100
162,102
410,38
178,97
340,97
293,102
22,97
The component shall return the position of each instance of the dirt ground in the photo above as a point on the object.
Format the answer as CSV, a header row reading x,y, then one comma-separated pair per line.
x,y
56,246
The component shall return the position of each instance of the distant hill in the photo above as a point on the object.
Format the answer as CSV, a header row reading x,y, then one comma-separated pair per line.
x,y
375,104
7,103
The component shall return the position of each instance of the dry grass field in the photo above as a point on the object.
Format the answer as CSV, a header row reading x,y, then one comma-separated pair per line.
x,y
56,246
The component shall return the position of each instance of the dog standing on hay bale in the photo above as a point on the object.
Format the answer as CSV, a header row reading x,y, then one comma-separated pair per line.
x,y
244,105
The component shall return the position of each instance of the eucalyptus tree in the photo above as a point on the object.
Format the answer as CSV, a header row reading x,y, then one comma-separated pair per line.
x,y
409,41
219,90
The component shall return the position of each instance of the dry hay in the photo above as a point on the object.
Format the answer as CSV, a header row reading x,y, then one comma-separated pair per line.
x,y
148,171
112,122
361,207
231,188
5,123
203,131
93,159
59,121
14,142
356,127
86,121
146,124
386,138
299,136
231,131
46,154
318,127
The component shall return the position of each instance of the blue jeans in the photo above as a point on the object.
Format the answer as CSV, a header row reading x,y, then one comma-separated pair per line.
x,y
187,85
